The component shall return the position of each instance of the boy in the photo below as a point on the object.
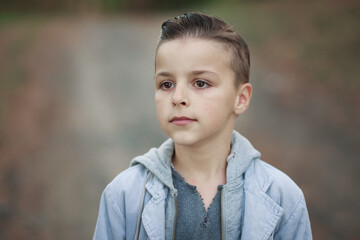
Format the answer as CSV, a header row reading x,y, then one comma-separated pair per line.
x,y
206,181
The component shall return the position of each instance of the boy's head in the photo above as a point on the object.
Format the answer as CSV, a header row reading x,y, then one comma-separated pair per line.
x,y
201,79
197,25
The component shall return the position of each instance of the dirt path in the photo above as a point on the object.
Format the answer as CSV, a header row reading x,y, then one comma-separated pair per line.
x,y
99,75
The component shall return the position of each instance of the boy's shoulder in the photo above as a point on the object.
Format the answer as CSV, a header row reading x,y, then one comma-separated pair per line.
x,y
261,176
128,180
269,187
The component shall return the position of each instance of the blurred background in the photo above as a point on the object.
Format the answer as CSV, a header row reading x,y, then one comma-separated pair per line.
x,y
76,104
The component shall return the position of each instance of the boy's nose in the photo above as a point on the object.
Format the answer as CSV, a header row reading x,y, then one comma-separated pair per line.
x,y
180,96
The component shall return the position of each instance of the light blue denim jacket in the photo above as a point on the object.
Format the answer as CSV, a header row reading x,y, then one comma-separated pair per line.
x,y
258,201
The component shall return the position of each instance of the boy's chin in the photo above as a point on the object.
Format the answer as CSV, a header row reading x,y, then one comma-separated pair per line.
x,y
188,140
184,139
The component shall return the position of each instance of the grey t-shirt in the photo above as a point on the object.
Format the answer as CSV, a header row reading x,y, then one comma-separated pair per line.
x,y
193,221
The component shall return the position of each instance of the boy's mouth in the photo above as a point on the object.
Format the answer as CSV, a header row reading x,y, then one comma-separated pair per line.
x,y
182,121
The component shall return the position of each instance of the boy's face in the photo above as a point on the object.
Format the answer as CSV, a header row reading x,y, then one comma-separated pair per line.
x,y
195,93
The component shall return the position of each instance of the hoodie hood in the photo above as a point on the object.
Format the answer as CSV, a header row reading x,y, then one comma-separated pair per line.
x,y
158,160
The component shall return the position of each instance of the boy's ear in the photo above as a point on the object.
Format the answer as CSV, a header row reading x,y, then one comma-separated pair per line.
x,y
243,98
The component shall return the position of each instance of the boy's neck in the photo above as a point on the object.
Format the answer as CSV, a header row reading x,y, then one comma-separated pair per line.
x,y
204,161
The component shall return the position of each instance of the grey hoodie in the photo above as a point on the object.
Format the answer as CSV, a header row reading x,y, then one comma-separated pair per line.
x,y
257,202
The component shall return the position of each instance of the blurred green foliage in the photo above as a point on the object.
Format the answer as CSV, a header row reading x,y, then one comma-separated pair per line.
x,y
111,5
6,17
102,5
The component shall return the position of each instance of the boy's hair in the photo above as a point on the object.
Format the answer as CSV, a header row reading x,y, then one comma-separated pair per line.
x,y
199,25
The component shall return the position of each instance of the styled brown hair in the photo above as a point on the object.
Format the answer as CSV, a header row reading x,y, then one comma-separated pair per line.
x,y
199,25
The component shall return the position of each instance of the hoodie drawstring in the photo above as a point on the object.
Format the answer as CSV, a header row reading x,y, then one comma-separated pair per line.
x,y
141,208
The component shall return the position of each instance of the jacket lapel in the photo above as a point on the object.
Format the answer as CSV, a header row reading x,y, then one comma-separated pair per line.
x,y
153,215
261,213
153,220
261,216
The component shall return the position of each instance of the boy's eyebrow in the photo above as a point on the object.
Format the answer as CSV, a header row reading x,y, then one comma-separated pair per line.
x,y
163,74
200,72
203,72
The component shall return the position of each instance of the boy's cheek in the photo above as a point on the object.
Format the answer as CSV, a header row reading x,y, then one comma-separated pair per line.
x,y
160,95
159,104
158,100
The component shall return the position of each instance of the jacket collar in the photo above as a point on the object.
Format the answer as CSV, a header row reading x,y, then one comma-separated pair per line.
x,y
242,154
158,160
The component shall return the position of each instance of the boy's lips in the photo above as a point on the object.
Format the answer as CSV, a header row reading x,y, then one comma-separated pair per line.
x,y
182,121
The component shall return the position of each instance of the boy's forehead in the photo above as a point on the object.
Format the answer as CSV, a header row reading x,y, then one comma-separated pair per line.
x,y
194,42
192,52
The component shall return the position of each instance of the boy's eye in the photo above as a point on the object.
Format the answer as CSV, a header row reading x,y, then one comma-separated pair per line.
x,y
166,85
201,84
